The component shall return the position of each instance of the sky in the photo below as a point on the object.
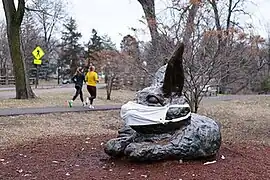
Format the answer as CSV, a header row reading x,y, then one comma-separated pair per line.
x,y
116,17
112,17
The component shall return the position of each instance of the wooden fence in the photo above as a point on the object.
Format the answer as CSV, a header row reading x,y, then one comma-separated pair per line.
x,y
10,80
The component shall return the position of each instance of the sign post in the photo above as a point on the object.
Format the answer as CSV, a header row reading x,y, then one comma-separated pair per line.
x,y
38,53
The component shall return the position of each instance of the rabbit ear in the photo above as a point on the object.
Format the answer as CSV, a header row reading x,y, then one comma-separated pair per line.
x,y
174,74
178,53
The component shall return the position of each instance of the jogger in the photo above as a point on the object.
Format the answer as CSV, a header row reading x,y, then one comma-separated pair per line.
x,y
91,81
78,79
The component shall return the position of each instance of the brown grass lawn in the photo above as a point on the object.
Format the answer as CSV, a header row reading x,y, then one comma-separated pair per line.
x,y
59,97
19,129
242,120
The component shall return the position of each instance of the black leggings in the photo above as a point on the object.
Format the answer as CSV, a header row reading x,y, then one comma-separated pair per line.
x,y
93,93
78,92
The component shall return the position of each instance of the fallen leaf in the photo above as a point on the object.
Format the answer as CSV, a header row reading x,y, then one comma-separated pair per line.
x,y
222,157
67,174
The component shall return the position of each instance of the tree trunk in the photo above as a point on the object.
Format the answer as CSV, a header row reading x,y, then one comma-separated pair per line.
x,y
189,28
150,15
109,87
23,89
196,101
217,21
14,18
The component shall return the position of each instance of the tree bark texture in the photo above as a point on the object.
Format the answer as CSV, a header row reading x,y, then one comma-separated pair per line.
x,y
150,15
189,28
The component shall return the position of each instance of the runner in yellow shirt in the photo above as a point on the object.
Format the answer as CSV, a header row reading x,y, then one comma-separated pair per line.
x,y
91,79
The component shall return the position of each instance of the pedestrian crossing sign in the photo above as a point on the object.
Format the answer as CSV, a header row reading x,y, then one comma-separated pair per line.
x,y
38,53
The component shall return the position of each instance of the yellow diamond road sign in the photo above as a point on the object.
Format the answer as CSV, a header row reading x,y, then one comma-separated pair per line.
x,y
37,61
38,53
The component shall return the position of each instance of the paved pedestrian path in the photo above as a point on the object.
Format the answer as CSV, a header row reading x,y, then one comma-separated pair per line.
x,y
56,109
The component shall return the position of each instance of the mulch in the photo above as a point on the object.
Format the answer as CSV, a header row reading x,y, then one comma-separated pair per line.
x,y
83,158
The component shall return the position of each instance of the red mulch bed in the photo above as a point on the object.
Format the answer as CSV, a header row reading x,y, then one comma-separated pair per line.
x,y
83,158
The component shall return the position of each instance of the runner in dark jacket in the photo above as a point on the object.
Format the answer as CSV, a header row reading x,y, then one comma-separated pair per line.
x,y
78,79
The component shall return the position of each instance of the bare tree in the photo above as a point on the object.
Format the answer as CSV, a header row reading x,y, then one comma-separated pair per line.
x,y
219,56
48,15
14,19
233,8
117,66
113,65
218,50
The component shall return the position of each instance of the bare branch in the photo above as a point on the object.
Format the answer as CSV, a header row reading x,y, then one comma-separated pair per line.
x,y
37,10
